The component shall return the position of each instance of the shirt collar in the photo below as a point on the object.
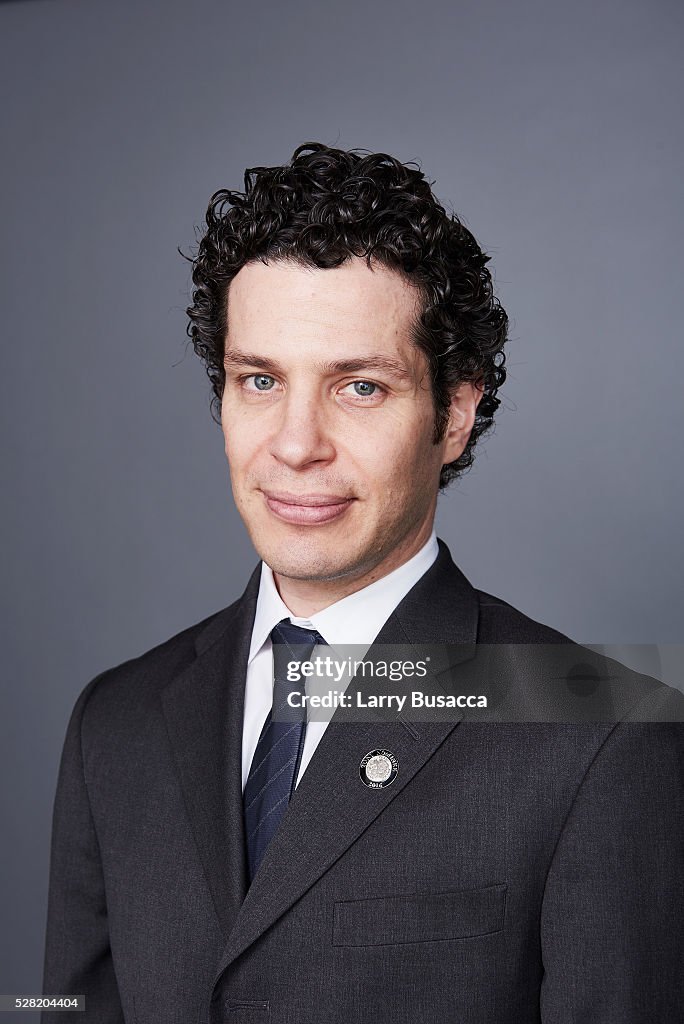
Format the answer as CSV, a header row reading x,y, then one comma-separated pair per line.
x,y
356,619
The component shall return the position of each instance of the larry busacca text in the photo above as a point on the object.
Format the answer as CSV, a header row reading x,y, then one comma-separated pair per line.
x,y
340,699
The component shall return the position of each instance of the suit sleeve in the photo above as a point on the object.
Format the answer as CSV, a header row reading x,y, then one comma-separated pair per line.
x,y
78,958
612,923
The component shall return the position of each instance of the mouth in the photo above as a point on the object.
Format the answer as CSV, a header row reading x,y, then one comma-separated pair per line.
x,y
306,509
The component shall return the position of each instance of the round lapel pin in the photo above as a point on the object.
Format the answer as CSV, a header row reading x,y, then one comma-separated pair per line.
x,y
378,769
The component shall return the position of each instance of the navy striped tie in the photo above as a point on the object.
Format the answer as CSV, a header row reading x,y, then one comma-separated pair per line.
x,y
278,753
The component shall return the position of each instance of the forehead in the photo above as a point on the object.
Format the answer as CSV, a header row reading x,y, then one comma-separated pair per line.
x,y
285,301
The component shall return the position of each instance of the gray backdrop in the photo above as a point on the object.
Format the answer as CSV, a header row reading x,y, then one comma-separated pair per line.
x,y
553,129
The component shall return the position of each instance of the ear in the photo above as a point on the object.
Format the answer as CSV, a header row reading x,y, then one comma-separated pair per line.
x,y
464,402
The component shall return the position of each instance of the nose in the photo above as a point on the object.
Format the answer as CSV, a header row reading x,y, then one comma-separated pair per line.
x,y
302,436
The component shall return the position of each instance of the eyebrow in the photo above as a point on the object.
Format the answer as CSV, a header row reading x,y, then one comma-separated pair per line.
x,y
355,364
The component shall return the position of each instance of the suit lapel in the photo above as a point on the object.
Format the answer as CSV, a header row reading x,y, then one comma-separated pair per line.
x,y
331,807
203,708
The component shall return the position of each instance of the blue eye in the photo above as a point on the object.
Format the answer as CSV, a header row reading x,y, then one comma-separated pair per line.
x,y
364,388
262,382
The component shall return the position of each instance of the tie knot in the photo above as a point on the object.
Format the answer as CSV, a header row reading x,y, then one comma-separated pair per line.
x,y
292,645
295,637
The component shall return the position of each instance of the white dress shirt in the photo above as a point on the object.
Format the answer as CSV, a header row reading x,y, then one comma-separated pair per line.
x,y
356,619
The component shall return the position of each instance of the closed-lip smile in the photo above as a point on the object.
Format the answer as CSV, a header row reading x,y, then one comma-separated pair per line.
x,y
306,509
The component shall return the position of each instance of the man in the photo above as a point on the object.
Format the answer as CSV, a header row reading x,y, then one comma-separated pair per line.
x,y
212,861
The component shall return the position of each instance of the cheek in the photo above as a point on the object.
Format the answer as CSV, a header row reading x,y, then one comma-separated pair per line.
x,y
240,462
391,462
240,443
401,439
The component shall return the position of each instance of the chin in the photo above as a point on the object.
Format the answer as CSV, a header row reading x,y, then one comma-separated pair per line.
x,y
310,569
307,560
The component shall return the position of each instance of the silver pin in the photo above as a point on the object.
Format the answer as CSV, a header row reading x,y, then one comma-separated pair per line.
x,y
378,769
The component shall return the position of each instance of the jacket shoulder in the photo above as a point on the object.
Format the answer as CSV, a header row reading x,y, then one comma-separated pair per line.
x,y
135,684
501,623
635,696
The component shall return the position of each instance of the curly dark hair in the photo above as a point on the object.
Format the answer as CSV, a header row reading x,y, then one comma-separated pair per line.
x,y
328,205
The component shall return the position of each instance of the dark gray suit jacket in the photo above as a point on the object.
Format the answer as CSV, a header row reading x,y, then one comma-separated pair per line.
x,y
512,873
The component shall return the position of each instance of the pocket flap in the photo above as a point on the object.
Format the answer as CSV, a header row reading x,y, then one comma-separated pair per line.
x,y
419,917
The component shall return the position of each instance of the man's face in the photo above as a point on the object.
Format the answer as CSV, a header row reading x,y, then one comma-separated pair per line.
x,y
328,420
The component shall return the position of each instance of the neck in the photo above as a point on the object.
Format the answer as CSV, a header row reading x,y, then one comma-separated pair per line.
x,y
304,598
